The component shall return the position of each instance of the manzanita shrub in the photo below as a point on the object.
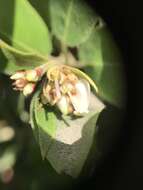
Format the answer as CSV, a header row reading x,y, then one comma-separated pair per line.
x,y
60,55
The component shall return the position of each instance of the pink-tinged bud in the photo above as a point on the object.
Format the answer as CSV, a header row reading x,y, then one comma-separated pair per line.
x,y
80,99
20,83
32,75
40,71
28,89
18,75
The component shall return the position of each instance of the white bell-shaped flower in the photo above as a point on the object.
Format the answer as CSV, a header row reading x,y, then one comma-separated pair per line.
x,y
80,100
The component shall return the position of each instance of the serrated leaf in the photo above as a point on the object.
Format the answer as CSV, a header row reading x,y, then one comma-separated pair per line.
x,y
71,140
72,21
24,28
19,60
103,63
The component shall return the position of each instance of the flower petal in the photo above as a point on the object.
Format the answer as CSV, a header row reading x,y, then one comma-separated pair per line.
x,y
80,100
28,89
63,105
18,75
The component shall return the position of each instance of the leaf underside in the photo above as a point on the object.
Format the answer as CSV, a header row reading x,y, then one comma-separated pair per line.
x,y
102,61
64,141
72,22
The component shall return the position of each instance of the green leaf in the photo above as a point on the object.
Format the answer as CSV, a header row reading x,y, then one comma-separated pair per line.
x,y
42,7
32,116
65,141
103,63
21,25
43,124
26,28
20,60
74,138
72,21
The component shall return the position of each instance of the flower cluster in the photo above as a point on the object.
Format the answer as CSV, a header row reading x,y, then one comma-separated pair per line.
x,y
25,81
66,90
65,87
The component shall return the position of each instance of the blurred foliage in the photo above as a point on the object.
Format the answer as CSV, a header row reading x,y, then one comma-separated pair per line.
x,y
31,28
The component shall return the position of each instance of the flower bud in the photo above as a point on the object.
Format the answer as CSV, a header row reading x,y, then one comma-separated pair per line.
x,y
64,105
32,75
18,75
20,83
28,89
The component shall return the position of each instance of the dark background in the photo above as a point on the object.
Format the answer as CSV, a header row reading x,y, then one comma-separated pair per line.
x,y
123,166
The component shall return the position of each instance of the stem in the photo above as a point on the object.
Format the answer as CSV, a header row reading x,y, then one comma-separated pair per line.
x,y
65,52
